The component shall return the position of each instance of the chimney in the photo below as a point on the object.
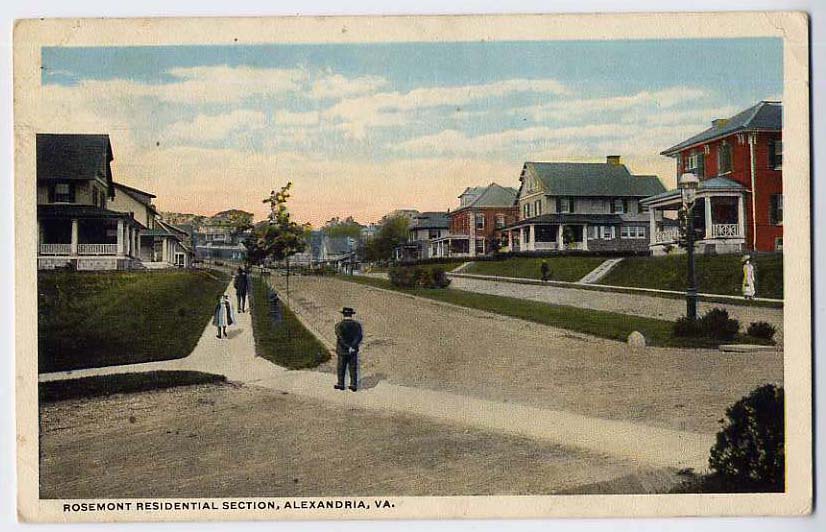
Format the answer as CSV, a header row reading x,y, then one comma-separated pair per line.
x,y
614,160
719,122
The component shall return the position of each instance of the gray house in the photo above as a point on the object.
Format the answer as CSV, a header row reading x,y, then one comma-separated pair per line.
x,y
581,206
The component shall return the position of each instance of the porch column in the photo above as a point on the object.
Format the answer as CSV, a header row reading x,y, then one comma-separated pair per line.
x,y
652,224
532,235
74,237
120,237
560,239
523,242
741,217
164,250
585,237
510,241
39,235
708,217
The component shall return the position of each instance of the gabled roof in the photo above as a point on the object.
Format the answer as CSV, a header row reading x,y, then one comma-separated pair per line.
x,y
472,190
138,194
492,196
431,220
74,157
592,179
765,116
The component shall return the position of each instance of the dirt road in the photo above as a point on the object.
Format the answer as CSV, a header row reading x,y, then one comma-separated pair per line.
x,y
231,441
422,343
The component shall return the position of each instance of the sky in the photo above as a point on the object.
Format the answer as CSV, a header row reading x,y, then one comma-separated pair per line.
x,y
362,129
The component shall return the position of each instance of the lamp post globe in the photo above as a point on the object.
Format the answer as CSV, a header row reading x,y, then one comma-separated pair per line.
x,y
688,184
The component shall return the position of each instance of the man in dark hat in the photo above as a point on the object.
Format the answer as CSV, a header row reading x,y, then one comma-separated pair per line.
x,y
349,336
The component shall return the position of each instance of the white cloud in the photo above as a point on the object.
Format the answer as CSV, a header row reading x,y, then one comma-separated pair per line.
x,y
210,128
356,115
337,86
288,118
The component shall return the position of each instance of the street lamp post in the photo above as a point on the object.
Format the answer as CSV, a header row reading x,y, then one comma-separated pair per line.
x,y
688,184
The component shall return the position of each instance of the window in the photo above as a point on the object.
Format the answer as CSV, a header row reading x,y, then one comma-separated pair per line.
x,y
537,207
63,193
776,209
725,158
480,221
632,232
695,163
500,221
778,243
565,205
607,232
526,208
776,154
619,206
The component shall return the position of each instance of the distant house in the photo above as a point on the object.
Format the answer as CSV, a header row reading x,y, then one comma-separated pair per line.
x,y
739,161
426,227
76,225
582,206
218,239
161,244
476,226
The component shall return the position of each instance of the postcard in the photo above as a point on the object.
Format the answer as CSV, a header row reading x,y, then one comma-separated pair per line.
x,y
425,267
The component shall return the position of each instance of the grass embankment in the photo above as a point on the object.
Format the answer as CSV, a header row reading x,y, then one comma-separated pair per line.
x,y
568,268
124,383
610,325
719,274
88,320
282,339
446,266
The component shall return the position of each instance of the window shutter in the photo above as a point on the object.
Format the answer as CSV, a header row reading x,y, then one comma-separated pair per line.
x,y
772,158
558,205
625,205
611,204
573,203
701,165
773,210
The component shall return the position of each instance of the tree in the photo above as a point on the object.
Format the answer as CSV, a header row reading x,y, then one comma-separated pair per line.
x,y
279,237
336,227
391,234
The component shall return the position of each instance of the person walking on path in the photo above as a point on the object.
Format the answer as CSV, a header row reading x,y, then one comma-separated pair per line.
x,y
242,288
348,338
223,316
749,286
545,269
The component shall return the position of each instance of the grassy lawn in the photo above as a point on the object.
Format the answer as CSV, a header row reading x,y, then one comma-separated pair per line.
x,y
721,274
95,319
285,341
446,266
568,268
123,383
611,325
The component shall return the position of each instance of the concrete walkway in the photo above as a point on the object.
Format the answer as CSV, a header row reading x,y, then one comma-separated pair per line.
x,y
600,271
235,358
634,304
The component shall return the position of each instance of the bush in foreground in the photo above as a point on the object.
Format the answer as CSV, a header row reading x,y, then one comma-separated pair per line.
x,y
714,324
749,454
104,385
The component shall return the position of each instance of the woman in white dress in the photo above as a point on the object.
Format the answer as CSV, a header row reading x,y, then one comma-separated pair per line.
x,y
749,288
223,316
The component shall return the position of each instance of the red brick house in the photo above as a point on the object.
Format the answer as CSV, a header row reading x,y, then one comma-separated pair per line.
x,y
476,226
739,161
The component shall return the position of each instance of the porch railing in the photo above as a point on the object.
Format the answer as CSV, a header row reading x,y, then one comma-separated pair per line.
x,y
672,234
725,231
97,249
544,245
55,249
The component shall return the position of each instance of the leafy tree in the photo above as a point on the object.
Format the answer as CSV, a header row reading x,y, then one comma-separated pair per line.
x,y
336,227
391,234
279,237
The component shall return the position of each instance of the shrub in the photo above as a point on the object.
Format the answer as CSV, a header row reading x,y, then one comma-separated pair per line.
x,y
749,455
716,324
761,329
684,326
418,277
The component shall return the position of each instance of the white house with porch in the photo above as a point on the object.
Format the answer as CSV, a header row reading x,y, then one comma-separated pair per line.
x,y
719,217
581,206
76,227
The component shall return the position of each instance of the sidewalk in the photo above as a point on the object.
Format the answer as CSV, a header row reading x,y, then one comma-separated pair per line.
x,y
235,358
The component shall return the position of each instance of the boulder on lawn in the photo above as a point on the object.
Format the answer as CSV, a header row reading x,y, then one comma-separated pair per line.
x,y
636,340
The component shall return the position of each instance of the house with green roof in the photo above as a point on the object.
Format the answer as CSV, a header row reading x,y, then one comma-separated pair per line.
x,y
581,206
475,227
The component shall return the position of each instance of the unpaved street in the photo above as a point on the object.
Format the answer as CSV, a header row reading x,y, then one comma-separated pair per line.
x,y
231,441
422,343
